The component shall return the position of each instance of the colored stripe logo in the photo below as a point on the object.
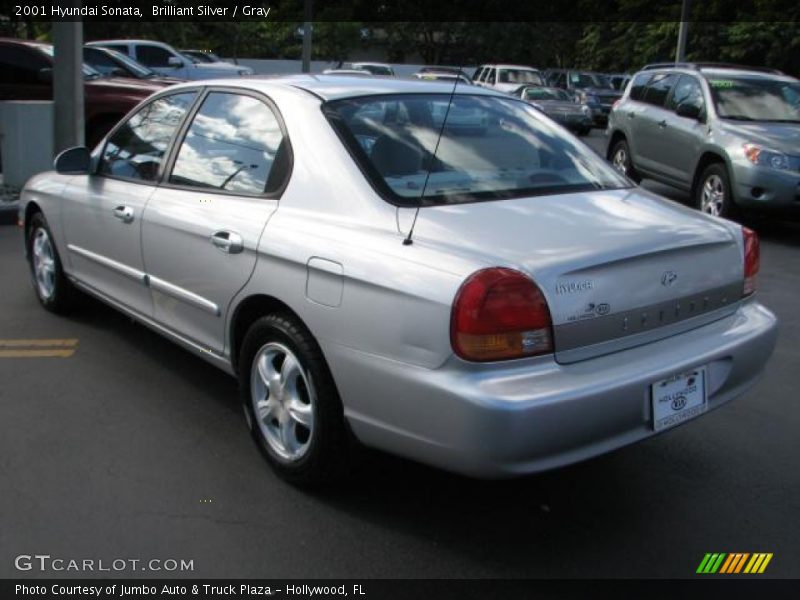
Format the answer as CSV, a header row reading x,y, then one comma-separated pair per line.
x,y
734,563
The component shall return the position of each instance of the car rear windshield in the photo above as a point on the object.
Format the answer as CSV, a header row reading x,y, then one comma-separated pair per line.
x,y
431,149
519,76
756,98
590,80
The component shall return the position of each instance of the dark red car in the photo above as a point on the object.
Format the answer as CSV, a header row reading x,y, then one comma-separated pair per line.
x,y
26,73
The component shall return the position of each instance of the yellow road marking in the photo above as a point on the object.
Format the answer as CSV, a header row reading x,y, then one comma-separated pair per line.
x,y
37,343
51,348
44,353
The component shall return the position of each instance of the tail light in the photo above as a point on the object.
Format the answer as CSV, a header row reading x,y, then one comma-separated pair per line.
x,y
499,314
752,255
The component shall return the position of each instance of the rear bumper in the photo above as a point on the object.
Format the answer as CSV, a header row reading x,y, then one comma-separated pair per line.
x,y
527,416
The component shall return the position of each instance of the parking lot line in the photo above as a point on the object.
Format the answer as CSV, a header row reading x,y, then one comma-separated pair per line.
x,y
37,343
50,348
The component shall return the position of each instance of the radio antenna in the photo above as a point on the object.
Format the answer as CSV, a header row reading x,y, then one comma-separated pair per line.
x,y
407,241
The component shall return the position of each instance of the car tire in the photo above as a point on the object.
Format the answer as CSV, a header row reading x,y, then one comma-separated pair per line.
x,y
621,161
713,194
291,403
54,291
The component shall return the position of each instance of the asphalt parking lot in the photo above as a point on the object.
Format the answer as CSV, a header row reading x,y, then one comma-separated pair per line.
x,y
119,444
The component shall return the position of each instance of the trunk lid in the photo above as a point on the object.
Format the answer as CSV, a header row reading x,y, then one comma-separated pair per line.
x,y
618,268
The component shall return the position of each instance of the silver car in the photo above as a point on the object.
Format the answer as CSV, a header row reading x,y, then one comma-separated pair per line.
x,y
496,302
730,136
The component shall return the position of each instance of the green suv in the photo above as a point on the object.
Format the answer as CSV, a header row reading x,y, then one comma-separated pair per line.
x,y
728,135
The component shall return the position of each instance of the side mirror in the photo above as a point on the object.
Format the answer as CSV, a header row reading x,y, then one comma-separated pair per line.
x,y
174,61
45,75
690,111
72,161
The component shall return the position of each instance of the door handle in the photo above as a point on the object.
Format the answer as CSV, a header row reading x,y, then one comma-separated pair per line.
x,y
662,124
124,213
228,242
631,115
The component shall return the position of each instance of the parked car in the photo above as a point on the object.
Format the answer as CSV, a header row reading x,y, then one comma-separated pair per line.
x,y
618,80
443,76
559,106
202,56
374,68
593,89
26,73
348,72
111,63
506,78
728,135
494,304
164,59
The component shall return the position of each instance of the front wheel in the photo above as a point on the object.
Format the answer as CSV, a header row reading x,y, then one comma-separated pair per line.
x,y
291,404
53,289
713,192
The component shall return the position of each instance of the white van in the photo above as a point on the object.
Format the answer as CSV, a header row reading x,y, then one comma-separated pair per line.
x,y
506,78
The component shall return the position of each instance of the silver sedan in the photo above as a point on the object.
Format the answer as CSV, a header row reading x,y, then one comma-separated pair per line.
x,y
492,300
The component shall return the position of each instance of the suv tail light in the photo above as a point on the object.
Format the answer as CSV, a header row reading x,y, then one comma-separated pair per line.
x,y
752,255
500,314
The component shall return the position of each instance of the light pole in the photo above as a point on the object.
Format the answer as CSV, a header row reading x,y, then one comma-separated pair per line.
x,y
683,31
308,9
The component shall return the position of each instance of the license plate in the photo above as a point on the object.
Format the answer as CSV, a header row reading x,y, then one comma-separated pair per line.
x,y
678,398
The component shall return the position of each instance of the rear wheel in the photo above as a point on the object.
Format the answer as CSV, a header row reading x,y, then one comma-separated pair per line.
x,y
621,160
52,287
291,403
713,192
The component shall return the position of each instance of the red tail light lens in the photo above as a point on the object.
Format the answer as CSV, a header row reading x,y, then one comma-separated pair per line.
x,y
499,314
752,259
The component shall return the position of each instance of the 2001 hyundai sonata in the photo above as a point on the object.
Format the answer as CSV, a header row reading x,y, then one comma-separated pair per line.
x,y
374,266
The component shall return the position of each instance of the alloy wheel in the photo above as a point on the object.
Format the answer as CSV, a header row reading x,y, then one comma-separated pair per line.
x,y
44,263
712,197
283,400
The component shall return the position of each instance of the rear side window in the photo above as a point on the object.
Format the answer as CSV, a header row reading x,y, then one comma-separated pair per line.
x,y
18,66
489,148
235,144
136,149
639,85
659,87
490,77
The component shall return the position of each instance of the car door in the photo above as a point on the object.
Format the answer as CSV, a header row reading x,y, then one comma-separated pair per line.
x,y
682,137
202,227
102,212
651,122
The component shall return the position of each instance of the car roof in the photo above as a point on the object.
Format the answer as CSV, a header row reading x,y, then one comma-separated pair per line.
x,y
101,42
372,64
31,43
719,71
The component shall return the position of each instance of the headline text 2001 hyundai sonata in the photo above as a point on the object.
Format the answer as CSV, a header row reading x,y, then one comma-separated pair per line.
x,y
442,273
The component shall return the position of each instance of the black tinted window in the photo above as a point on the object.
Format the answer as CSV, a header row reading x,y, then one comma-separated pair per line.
x,y
235,143
688,91
99,60
153,56
136,149
658,89
119,48
639,85
20,66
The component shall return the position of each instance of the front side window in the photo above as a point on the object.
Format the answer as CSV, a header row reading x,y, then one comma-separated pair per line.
x,y
136,150
756,98
234,144
687,91
153,56
490,148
